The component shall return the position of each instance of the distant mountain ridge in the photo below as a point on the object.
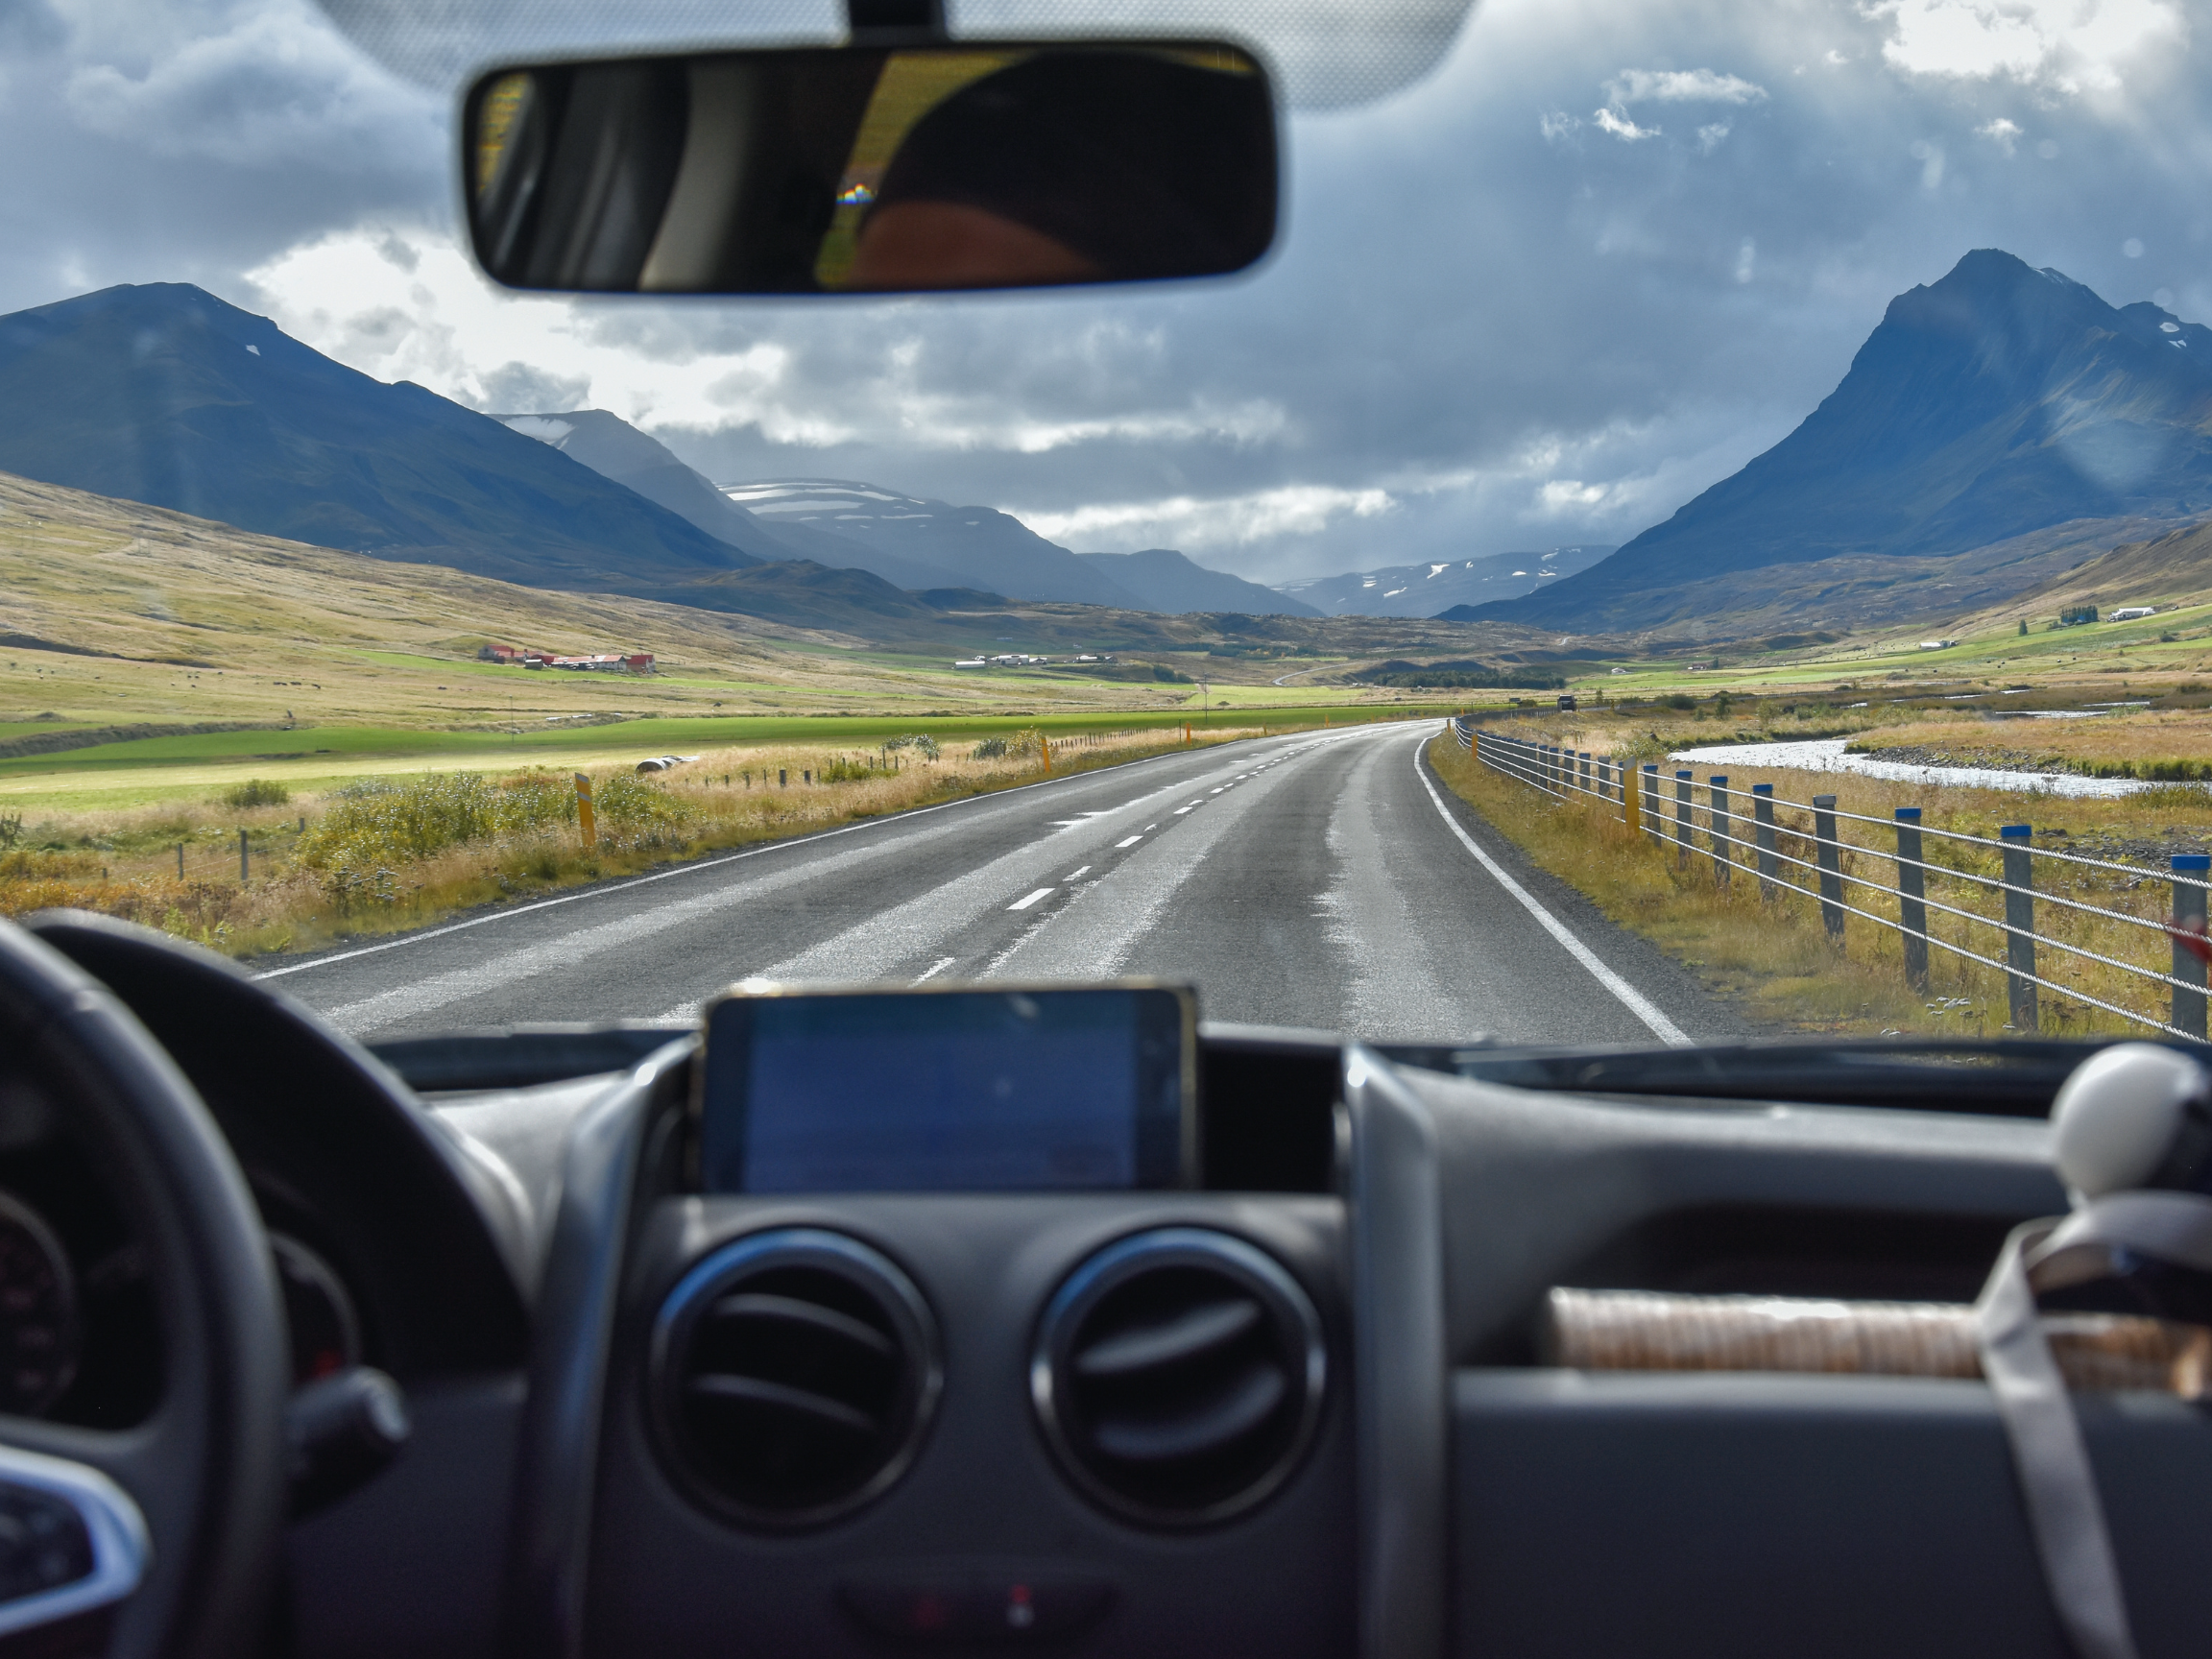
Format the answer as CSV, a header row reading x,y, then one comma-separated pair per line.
x,y
164,395
919,544
1436,587
1996,402
1168,581
909,541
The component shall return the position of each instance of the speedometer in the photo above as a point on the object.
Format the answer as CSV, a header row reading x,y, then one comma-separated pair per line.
x,y
325,1329
37,1312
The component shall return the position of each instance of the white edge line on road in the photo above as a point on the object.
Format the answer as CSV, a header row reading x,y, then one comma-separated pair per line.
x,y
696,865
1024,904
1631,999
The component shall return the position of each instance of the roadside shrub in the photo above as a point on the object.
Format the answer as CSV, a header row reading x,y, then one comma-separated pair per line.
x,y
1011,746
626,802
256,792
381,821
919,742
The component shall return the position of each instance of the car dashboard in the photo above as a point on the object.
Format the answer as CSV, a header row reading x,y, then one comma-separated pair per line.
x,y
1304,1407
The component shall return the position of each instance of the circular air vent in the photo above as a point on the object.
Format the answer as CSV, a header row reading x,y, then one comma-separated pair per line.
x,y
793,1374
1178,1376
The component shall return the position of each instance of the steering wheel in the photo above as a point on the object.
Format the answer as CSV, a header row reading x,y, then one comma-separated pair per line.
x,y
165,1534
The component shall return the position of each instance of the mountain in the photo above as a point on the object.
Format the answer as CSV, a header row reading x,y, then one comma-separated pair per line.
x,y
920,544
1431,590
610,446
164,395
1166,581
613,449
1996,402
910,542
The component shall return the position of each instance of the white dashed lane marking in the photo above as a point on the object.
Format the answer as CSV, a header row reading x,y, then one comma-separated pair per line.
x,y
1123,846
1024,902
1073,874
935,968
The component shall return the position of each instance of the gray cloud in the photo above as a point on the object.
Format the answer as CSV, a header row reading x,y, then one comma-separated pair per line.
x,y
1491,325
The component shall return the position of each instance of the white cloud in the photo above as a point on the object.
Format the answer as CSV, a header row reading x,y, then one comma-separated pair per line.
x,y
1710,137
263,87
1570,496
405,305
2068,45
1194,524
1557,125
1681,86
1930,156
1622,128
1746,260
2003,134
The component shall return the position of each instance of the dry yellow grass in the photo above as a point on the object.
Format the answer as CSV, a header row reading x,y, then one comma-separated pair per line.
x,y
2150,743
1773,957
304,891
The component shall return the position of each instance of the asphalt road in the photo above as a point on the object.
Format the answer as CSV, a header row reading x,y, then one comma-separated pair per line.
x,y
1323,880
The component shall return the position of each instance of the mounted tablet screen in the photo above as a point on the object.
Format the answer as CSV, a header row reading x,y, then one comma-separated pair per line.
x,y
949,1090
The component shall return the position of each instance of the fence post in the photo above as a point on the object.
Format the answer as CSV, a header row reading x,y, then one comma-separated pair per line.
x,y
1681,818
1911,890
2019,924
1651,815
1763,812
1831,868
179,860
584,822
242,873
2189,882
1719,820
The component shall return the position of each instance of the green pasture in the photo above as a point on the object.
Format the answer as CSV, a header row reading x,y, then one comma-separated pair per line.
x,y
1992,654
307,759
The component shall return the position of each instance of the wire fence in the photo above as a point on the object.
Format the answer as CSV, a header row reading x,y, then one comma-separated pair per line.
x,y
1989,890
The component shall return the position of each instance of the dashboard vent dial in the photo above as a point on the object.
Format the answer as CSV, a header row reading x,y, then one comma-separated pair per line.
x,y
1178,1376
792,1377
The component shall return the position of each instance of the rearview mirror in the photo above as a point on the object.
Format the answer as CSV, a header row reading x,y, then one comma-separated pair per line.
x,y
869,169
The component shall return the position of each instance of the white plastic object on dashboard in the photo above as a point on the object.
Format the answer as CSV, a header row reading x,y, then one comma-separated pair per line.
x,y
2117,1118
2129,1127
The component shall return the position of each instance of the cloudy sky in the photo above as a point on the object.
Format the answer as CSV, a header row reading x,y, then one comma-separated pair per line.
x,y
1599,258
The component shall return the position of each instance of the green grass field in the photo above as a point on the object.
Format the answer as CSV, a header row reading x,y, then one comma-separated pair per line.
x,y
310,758
2065,654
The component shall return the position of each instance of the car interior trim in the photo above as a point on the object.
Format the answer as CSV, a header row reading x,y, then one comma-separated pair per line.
x,y
568,1362
1401,1407
114,1524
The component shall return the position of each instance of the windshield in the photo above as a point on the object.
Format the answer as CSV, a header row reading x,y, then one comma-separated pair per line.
x,y
1695,531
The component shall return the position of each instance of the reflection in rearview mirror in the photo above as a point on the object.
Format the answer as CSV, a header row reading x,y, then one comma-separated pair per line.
x,y
857,170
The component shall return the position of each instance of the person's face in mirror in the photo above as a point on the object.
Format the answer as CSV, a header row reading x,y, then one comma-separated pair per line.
x,y
1075,167
952,245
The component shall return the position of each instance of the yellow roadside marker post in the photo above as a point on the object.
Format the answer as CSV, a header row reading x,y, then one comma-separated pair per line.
x,y
584,819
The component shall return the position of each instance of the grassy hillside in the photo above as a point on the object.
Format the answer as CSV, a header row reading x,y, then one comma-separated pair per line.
x,y
144,653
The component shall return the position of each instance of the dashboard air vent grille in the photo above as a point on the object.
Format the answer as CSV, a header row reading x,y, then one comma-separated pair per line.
x,y
1178,1375
793,1375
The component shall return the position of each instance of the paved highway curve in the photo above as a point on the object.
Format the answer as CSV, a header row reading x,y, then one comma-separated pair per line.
x,y
1321,879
